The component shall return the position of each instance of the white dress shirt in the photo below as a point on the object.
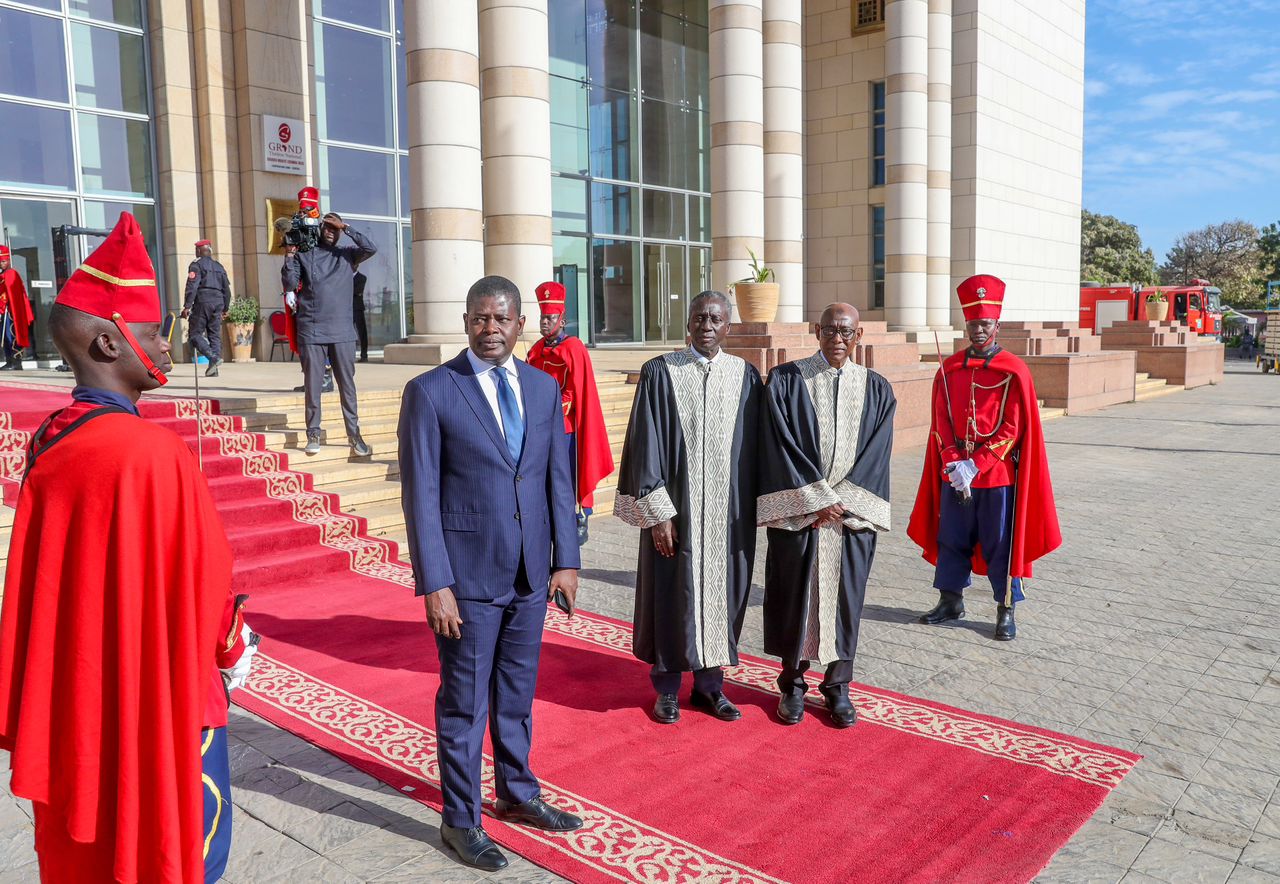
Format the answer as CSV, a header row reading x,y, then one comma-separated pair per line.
x,y
704,360
489,385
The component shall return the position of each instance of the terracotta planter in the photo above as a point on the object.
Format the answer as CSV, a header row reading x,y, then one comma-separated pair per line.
x,y
757,301
242,342
1157,310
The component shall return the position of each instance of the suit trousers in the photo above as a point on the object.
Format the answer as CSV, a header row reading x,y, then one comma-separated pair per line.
x,y
488,677
205,330
342,358
705,681
839,674
987,520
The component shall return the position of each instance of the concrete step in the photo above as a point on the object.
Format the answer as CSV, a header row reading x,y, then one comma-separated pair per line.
x,y
353,495
285,401
341,472
1161,389
335,448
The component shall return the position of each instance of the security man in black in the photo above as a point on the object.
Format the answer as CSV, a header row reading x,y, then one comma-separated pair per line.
x,y
207,299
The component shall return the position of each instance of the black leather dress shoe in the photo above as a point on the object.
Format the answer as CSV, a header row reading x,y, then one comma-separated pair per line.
x,y
842,711
717,704
791,708
1006,628
537,813
474,848
950,607
666,709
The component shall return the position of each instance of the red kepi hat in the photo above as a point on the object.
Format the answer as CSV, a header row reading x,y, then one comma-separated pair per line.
x,y
981,297
550,297
200,243
308,198
4,251
117,282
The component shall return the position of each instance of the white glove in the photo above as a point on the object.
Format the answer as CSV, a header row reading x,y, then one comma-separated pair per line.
x,y
962,473
237,674
291,298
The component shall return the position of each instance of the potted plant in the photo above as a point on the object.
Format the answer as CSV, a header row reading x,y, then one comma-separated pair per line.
x,y
243,317
1157,306
757,295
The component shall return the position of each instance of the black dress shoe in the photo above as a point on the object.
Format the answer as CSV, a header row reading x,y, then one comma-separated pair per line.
x,y
791,708
474,847
1006,628
537,813
842,711
950,607
717,704
666,709
11,365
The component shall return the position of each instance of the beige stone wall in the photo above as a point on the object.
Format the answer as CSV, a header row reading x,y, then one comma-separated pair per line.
x,y
1018,117
839,68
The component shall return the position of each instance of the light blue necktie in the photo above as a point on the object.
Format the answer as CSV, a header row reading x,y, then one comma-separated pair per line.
x,y
512,423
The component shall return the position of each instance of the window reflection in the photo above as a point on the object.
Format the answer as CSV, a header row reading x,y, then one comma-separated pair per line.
x,y
111,72
367,13
382,280
353,86
36,148
357,181
115,155
613,209
32,56
120,12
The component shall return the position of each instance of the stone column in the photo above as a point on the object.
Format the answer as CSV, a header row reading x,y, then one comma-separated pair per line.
x,y
515,114
737,138
442,46
783,154
906,163
938,299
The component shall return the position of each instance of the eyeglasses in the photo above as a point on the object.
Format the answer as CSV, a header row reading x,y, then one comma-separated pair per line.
x,y
844,331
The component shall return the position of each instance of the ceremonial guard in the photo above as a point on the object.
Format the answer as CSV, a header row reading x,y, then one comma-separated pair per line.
x,y
985,503
825,445
120,638
15,314
688,481
206,302
565,358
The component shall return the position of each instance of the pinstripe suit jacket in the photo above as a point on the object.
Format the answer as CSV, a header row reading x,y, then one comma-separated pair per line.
x,y
471,512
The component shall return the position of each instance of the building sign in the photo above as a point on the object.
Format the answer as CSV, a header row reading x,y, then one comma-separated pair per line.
x,y
282,142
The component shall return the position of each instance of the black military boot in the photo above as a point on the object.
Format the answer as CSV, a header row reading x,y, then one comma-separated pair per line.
x,y
950,607
1006,628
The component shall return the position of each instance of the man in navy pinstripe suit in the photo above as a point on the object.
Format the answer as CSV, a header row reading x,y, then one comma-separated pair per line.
x,y
488,499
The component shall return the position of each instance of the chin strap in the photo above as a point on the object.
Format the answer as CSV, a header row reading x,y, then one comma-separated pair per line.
x,y
150,366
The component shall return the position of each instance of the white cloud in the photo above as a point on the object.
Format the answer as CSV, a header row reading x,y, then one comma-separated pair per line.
x,y
1096,88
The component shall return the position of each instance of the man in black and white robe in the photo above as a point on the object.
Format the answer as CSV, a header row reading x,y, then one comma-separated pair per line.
x,y
688,482
826,440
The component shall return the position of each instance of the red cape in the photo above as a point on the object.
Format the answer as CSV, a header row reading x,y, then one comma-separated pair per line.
x,y
1035,525
570,364
118,578
19,306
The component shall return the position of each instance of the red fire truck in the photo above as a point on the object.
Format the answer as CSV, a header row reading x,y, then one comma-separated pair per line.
x,y
1198,305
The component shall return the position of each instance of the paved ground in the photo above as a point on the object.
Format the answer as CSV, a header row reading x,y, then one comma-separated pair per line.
x,y
1152,629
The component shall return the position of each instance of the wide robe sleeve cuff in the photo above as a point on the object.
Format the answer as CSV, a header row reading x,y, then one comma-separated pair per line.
x,y
794,508
652,509
870,511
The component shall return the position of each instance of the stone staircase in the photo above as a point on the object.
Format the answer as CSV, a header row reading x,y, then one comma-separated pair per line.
x,y
370,487
1148,387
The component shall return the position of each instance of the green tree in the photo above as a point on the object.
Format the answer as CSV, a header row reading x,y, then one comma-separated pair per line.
x,y
1111,251
1226,254
1269,252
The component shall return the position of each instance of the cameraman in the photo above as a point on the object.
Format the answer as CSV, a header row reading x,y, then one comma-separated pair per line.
x,y
326,330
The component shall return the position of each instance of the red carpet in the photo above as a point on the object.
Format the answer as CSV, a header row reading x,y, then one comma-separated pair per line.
x,y
915,792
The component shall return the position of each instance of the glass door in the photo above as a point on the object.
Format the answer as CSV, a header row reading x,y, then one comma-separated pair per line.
x,y
28,230
666,294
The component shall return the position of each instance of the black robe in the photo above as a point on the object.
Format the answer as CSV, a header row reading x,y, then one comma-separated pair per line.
x,y
813,454
690,455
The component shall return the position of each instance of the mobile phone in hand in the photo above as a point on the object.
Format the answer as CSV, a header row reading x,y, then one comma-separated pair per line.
x,y
562,602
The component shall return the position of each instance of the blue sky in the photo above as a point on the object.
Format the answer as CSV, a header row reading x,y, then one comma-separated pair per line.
x,y
1182,113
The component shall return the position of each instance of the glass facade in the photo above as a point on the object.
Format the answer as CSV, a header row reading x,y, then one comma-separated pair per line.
x,y
75,101
877,257
363,154
630,152
877,133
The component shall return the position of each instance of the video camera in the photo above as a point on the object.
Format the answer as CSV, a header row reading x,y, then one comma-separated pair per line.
x,y
303,229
